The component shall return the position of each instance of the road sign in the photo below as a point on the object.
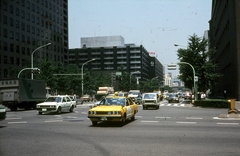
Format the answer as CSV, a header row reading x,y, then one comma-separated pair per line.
x,y
172,66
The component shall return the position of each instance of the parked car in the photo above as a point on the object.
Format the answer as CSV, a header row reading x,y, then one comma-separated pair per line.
x,y
173,98
58,104
113,109
3,112
150,100
76,99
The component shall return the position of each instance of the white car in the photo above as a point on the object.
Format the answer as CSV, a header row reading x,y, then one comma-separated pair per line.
x,y
58,104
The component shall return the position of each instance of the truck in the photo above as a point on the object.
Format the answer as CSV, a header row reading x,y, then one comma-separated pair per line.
x,y
22,93
103,91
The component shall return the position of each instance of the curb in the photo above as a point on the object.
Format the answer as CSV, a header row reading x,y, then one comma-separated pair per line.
x,y
229,116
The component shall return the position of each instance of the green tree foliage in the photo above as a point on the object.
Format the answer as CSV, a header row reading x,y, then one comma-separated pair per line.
x,y
199,57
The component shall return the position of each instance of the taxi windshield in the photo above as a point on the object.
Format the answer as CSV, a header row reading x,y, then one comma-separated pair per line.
x,y
113,101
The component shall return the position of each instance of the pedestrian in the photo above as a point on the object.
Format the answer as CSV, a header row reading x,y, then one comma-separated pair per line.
x,y
225,93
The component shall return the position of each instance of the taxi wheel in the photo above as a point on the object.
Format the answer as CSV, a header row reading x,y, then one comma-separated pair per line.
x,y
133,117
94,123
123,121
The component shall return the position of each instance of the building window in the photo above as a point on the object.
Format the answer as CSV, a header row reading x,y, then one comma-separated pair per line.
x,y
28,16
17,36
28,40
33,7
5,60
11,60
5,19
11,34
5,6
33,18
23,14
17,11
23,50
17,24
23,38
11,9
33,29
5,46
28,28
11,47
5,33
17,61
11,21
23,26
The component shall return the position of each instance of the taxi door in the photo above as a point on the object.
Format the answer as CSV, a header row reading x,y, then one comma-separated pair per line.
x,y
129,109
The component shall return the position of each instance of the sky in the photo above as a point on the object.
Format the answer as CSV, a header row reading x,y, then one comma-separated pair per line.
x,y
155,24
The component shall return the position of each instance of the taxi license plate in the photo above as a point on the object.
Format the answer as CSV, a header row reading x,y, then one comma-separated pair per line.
x,y
103,118
44,109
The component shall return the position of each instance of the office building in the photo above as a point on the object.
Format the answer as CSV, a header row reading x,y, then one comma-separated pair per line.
x,y
115,54
224,39
25,26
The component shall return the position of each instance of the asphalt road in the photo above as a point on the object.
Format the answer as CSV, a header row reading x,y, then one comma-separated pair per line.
x,y
174,129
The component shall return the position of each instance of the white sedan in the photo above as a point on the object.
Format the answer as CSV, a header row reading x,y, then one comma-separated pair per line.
x,y
58,104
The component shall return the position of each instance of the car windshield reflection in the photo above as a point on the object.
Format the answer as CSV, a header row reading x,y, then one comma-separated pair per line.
x,y
113,101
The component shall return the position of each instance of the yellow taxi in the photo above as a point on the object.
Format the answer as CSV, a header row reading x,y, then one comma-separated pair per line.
x,y
113,109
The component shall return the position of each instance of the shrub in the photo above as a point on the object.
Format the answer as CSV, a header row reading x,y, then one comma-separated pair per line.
x,y
213,103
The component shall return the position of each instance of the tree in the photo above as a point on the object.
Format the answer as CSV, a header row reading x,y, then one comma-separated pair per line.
x,y
197,55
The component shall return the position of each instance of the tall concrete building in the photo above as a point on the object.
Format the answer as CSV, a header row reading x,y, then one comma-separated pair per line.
x,y
25,26
224,38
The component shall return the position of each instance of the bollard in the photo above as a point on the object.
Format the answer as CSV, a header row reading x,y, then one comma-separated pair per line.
x,y
232,109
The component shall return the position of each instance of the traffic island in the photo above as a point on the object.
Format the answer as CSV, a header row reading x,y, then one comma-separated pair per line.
x,y
229,116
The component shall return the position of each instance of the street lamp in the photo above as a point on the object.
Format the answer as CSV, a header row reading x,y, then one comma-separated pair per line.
x,y
82,71
173,67
154,78
33,53
136,72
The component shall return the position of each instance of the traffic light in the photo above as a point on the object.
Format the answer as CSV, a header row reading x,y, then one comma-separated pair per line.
x,y
36,71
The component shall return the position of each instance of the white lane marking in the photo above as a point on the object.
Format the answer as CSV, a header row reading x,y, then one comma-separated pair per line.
x,y
169,104
221,123
84,112
72,117
20,122
54,121
149,121
186,122
162,104
226,118
162,117
175,105
138,116
182,105
194,118
13,118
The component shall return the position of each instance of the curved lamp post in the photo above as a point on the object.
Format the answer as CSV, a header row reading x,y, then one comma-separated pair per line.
x,y
136,72
82,71
33,53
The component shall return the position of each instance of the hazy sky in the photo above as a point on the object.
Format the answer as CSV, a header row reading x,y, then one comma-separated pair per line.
x,y
156,24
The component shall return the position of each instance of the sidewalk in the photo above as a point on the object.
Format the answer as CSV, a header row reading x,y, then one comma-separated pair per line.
x,y
237,105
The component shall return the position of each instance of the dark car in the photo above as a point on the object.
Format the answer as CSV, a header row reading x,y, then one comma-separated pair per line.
x,y
173,98
3,112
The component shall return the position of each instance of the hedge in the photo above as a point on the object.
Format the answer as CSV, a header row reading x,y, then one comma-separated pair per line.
x,y
213,103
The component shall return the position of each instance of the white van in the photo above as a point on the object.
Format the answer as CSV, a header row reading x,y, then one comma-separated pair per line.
x,y
150,100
